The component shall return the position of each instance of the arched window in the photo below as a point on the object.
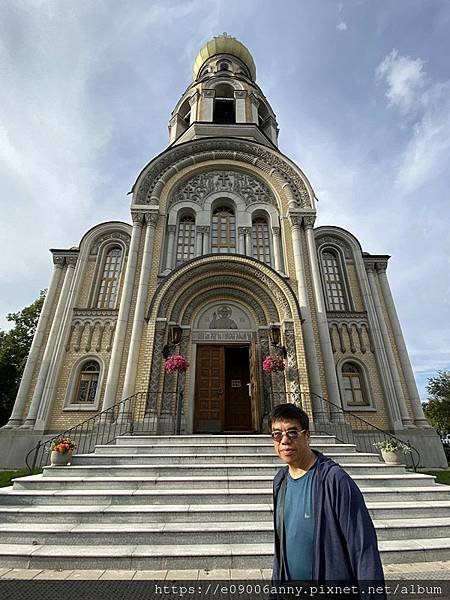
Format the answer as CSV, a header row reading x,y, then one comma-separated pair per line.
x,y
260,240
87,383
223,238
224,107
353,385
186,239
333,280
107,294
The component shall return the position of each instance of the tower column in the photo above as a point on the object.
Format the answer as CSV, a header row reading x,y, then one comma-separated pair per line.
x,y
322,321
50,346
171,230
207,107
319,413
254,103
419,417
198,240
239,98
406,419
241,240
17,413
124,311
248,240
193,101
276,248
206,240
151,219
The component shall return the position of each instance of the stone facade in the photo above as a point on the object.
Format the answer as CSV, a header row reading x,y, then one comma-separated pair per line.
x,y
222,244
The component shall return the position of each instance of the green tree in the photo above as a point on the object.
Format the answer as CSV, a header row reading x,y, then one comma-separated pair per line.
x,y
437,409
14,348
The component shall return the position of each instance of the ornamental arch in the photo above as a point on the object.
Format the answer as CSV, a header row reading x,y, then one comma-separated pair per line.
x,y
225,306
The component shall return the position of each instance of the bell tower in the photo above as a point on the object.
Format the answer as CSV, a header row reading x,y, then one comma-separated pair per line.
x,y
223,99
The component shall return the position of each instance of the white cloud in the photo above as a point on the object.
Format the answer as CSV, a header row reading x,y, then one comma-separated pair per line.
x,y
405,80
341,26
426,154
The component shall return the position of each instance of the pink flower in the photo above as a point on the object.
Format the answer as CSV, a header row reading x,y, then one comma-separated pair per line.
x,y
272,364
174,363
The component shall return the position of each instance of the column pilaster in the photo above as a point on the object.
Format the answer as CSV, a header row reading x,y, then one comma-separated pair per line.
x,y
198,241
406,419
151,220
17,416
240,100
171,230
50,346
206,230
276,248
319,413
193,102
322,321
207,109
416,405
124,311
241,240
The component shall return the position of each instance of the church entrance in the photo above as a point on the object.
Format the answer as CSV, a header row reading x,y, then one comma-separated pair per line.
x,y
222,389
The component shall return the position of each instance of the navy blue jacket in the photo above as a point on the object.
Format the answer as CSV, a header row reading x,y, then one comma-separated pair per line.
x,y
345,542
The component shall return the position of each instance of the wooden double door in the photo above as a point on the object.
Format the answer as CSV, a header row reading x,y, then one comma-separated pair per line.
x,y
223,389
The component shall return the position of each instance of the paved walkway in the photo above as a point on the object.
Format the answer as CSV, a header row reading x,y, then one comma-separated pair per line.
x,y
418,571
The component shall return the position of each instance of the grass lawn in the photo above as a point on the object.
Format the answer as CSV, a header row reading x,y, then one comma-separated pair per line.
x,y
6,476
441,476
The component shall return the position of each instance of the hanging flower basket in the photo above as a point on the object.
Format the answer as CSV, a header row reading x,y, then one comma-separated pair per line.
x,y
273,364
176,363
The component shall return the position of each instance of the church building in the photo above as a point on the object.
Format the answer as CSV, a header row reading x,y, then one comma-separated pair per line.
x,y
222,264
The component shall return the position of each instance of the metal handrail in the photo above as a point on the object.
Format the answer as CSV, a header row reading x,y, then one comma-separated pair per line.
x,y
127,416
346,427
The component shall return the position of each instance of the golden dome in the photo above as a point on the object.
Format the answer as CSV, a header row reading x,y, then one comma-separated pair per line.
x,y
224,44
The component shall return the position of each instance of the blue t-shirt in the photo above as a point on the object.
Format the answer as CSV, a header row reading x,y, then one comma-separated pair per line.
x,y
299,525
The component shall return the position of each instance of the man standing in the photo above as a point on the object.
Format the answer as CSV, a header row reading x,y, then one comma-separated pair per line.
x,y
323,530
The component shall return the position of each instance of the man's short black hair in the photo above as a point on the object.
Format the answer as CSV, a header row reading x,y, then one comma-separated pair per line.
x,y
289,412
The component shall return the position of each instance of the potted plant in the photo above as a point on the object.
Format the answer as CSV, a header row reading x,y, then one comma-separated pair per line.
x,y
62,449
273,364
392,450
176,363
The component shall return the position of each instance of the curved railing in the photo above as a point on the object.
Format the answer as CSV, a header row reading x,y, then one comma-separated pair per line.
x,y
132,415
161,414
349,428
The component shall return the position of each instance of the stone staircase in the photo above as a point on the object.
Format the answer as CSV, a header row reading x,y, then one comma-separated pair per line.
x,y
197,502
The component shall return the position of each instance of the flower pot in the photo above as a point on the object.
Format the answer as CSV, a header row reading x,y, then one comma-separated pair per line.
x,y
60,459
392,457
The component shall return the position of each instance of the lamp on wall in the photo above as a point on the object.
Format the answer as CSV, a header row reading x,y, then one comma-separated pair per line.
x,y
175,333
275,339
174,339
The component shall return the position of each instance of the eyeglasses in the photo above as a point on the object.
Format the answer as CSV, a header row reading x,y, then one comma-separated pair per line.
x,y
292,434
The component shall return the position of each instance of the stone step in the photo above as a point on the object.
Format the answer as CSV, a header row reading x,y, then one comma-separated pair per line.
x,y
201,495
131,483
258,532
221,455
132,470
208,440
145,482
198,556
198,513
211,461
253,450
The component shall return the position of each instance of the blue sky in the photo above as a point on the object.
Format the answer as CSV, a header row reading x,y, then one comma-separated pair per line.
x,y
360,89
